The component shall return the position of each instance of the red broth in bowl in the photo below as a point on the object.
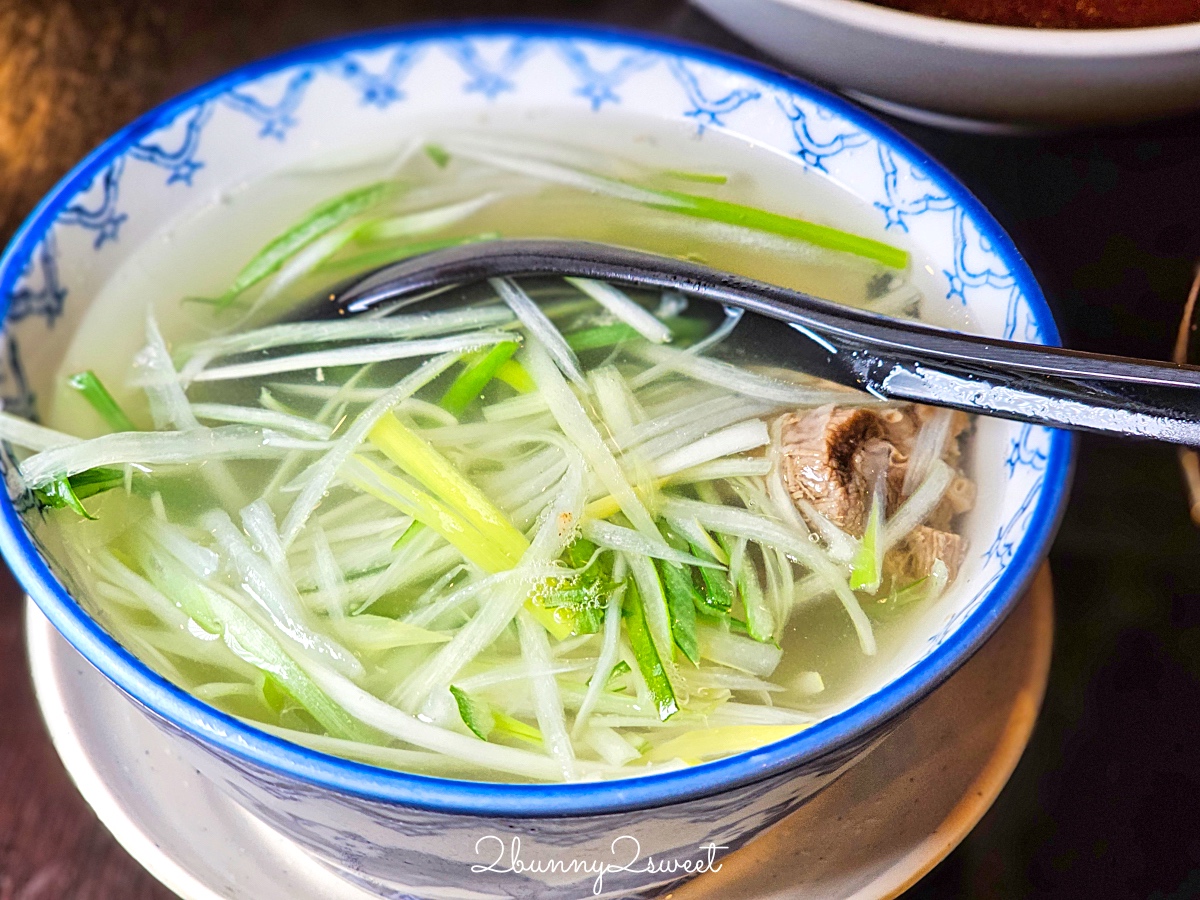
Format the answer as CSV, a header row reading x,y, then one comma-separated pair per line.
x,y
1070,14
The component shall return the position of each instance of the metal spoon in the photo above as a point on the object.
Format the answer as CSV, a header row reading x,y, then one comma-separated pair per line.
x,y
888,358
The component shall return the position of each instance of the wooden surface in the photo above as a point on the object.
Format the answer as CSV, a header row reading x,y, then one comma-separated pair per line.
x,y
1104,803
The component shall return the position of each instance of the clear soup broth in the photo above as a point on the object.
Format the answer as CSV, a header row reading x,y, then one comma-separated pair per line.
x,y
533,530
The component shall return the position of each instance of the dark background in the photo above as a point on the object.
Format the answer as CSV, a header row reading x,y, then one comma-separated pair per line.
x,y
1106,802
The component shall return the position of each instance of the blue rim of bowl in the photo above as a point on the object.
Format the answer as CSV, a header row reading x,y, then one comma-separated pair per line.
x,y
208,726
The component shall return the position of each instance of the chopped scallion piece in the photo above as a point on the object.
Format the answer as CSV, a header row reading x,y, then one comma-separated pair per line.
x,y
515,728
273,694
698,177
475,377
430,511
58,494
911,593
68,493
716,599
759,621
514,375
92,389
867,566
560,621
439,155
649,663
420,460
774,223
685,329
617,672
96,481
575,606
374,259
483,720
682,600
315,224
414,528
474,713
601,336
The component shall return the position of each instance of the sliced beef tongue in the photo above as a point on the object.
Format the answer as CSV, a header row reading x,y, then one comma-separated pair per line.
x,y
913,558
958,499
821,461
901,425
831,458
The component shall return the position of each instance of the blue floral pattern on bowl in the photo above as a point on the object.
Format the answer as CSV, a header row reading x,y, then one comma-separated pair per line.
x,y
403,834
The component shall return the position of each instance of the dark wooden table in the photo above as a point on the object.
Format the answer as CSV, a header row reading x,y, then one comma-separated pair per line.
x,y
1106,802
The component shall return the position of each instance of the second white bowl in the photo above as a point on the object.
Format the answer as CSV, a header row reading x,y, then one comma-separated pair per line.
x,y
976,77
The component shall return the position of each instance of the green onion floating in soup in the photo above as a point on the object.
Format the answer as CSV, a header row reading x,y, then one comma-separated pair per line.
x,y
527,530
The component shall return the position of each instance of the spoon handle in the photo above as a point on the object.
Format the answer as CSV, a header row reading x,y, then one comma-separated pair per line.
x,y
1050,386
890,358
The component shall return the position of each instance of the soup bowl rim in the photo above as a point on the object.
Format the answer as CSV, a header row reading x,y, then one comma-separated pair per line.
x,y
1007,40
221,732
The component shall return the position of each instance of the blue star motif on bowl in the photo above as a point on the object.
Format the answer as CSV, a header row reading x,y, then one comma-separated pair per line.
x,y
599,87
1024,452
810,148
380,89
47,300
182,172
708,110
181,162
276,118
102,218
489,79
909,192
1001,549
18,398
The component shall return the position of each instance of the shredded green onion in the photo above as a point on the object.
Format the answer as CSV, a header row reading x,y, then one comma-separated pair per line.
x,y
416,457
648,660
318,222
682,600
475,377
514,375
866,569
698,177
95,393
702,207
483,719
460,522
439,155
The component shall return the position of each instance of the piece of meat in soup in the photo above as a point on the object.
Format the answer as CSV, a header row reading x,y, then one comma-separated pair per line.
x,y
832,458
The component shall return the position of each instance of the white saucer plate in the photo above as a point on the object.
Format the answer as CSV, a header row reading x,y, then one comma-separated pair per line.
x,y
872,834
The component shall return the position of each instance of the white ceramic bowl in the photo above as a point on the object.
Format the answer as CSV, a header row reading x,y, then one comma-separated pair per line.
x,y
401,834
976,77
